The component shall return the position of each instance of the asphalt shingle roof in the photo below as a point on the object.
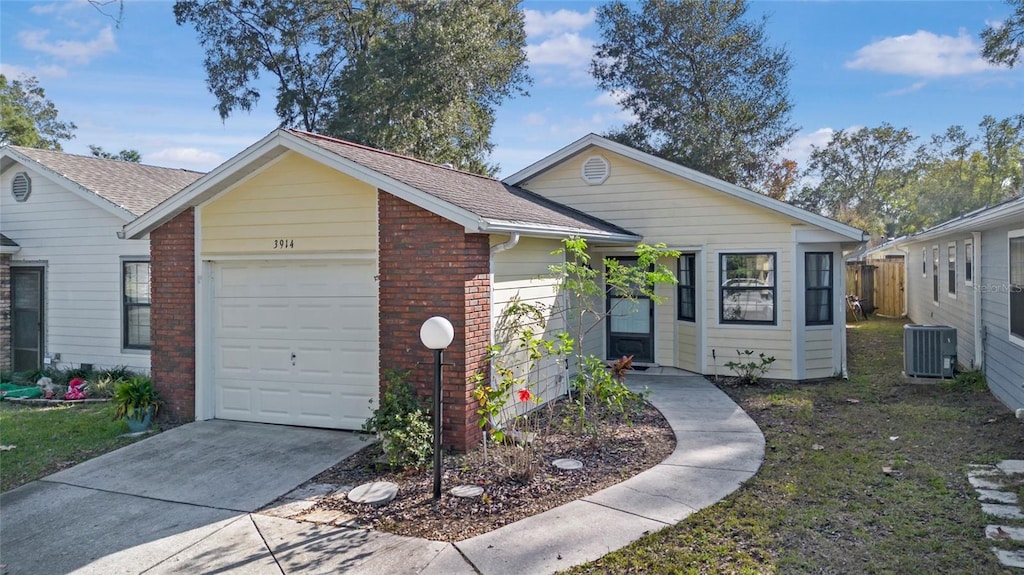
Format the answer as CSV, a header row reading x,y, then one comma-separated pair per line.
x,y
136,188
486,197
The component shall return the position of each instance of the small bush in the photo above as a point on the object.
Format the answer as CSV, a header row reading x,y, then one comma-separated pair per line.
x,y
401,423
968,381
748,369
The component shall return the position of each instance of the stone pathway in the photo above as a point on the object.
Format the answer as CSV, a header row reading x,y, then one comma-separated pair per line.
x,y
997,486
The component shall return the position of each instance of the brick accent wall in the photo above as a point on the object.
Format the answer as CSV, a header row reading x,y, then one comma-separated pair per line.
x,y
5,312
430,266
172,265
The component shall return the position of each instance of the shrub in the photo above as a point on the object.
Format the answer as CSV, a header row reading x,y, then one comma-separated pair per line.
x,y
969,381
750,370
401,423
601,392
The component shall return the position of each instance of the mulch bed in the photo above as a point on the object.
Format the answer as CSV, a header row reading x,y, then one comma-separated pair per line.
x,y
619,450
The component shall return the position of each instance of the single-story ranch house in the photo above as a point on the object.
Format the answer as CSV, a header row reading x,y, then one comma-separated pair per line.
x,y
71,291
968,273
289,278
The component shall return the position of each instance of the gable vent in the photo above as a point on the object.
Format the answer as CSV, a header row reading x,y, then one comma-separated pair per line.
x,y
595,170
21,186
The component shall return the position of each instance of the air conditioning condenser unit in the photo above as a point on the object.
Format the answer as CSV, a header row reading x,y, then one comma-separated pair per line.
x,y
929,350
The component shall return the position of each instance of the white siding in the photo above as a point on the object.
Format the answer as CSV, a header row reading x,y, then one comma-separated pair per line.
x,y
1004,360
76,242
522,273
955,312
689,217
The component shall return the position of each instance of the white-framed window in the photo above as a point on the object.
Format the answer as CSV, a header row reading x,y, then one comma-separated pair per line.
x,y
935,274
951,269
969,261
135,302
1016,286
687,287
747,292
924,262
818,288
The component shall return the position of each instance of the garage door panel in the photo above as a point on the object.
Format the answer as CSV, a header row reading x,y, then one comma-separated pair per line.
x,y
295,342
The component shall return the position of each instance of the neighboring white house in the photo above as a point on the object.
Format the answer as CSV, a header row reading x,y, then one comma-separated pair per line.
x,y
968,273
75,293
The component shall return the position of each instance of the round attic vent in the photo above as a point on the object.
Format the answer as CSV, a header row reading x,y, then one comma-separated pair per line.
x,y
595,170
21,186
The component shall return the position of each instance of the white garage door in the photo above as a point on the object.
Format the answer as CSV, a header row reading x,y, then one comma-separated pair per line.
x,y
295,342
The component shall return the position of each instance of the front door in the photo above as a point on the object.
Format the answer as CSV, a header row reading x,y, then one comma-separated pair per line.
x,y
631,325
27,318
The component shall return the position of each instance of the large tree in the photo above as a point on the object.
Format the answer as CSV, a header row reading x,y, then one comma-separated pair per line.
x,y
859,178
421,77
707,89
1004,40
28,118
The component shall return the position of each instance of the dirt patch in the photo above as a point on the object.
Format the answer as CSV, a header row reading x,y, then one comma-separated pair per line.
x,y
618,451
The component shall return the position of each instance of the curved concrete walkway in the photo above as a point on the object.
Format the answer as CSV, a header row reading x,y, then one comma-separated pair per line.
x,y
185,501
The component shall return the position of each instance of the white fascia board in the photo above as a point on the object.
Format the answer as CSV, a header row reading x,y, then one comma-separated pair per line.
x,y
70,185
217,180
544,231
675,169
10,249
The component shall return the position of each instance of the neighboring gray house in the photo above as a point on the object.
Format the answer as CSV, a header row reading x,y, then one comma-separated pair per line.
x,y
969,273
69,287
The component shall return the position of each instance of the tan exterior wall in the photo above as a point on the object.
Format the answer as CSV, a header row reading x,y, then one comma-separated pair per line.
x,y
689,217
295,205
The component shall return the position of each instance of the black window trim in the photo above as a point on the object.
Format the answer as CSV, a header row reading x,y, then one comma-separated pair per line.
x,y
125,306
1014,289
773,287
830,288
691,287
969,262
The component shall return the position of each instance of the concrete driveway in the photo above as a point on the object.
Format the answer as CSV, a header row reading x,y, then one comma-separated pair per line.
x,y
185,493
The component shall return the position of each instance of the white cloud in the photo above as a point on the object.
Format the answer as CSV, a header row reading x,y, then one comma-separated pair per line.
x,y
570,50
15,72
915,87
922,53
546,24
184,158
613,101
534,119
70,50
800,147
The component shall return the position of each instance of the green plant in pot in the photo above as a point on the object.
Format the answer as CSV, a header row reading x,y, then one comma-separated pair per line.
x,y
136,401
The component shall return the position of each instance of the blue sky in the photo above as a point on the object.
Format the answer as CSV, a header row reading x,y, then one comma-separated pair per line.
x,y
142,85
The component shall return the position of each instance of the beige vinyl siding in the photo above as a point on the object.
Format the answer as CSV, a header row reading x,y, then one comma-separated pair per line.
x,y
818,346
687,338
956,312
76,242
295,199
686,215
523,273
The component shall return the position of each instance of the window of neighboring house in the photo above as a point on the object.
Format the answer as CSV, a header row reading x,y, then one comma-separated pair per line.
x,y
951,269
924,262
1016,286
687,287
818,286
747,288
935,274
135,292
969,261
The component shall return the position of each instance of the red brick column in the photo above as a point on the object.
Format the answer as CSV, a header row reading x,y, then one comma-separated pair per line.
x,y
5,312
172,263
430,266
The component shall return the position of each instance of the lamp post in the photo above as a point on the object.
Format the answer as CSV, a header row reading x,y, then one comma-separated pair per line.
x,y
436,334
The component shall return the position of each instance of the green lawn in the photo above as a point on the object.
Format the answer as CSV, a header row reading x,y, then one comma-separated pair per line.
x,y
836,493
48,439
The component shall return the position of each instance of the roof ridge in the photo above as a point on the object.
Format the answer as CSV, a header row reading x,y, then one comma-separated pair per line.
x,y
389,153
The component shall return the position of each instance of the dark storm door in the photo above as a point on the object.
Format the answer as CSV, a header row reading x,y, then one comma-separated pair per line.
x,y
27,318
631,325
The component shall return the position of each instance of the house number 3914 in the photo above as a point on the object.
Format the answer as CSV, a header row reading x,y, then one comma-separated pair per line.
x,y
284,244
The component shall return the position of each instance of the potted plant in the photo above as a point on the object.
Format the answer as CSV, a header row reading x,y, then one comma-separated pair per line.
x,y
136,401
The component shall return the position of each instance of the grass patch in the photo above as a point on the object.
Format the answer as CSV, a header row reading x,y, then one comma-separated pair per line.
x,y
49,439
866,475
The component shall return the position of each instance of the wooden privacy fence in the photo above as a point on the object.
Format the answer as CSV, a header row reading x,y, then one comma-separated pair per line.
x,y
879,286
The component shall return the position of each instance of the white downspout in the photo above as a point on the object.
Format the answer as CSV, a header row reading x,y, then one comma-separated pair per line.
x,y
513,240
979,349
906,281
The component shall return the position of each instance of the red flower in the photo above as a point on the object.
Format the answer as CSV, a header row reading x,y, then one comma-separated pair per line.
x,y
76,382
524,395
